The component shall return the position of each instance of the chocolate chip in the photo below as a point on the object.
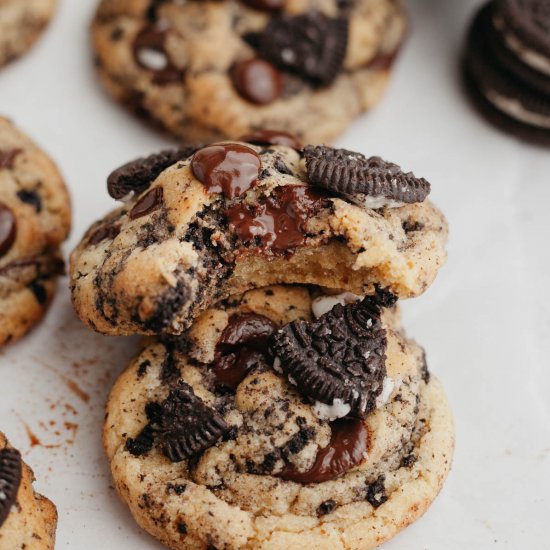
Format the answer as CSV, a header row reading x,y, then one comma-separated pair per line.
x,y
339,356
30,197
151,201
186,426
354,175
7,158
10,479
8,229
257,81
376,493
273,137
311,45
136,176
108,231
281,167
326,507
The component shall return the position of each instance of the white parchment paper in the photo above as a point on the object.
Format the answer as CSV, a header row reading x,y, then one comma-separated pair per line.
x,y
485,322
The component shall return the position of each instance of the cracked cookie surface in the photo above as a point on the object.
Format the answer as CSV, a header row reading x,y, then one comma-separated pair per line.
x,y
34,221
27,520
21,24
238,492
181,243
210,70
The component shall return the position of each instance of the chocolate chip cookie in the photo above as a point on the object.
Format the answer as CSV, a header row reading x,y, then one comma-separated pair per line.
x,y
285,417
21,24
210,70
201,223
34,221
27,520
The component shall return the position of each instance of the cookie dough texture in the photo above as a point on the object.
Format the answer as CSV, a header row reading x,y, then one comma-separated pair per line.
x,y
215,500
32,189
162,269
32,520
205,39
21,24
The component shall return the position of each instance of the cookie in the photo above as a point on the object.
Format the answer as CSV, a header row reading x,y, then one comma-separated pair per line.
x,y
34,221
233,216
506,69
21,24
206,71
27,520
286,471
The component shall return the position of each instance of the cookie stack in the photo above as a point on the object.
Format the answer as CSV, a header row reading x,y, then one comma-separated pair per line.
x,y
279,403
507,66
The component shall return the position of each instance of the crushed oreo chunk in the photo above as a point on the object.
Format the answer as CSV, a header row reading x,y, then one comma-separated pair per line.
x,y
326,507
370,182
136,176
339,356
376,493
311,45
11,469
31,198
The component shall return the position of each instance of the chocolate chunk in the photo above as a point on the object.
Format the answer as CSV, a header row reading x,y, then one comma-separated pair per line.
x,y
186,426
8,229
151,201
257,81
30,197
136,176
376,493
107,231
231,168
273,137
347,448
326,507
11,469
354,175
339,356
312,45
7,158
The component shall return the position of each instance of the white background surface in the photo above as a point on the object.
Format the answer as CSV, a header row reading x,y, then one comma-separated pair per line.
x,y
485,322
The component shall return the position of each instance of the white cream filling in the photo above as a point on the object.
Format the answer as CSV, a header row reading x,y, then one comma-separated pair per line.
x,y
530,57
323,304
374,203
338,409
152,59
516,110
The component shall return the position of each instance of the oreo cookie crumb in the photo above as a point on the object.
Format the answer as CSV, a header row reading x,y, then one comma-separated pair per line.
x,y
11,469
182,528
39,291
408,461
142,369
376,493
326,507
281,167
175,488
143,443
30,197
351,174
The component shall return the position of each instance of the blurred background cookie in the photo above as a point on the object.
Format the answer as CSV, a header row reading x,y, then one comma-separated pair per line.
x,y
21,24
208,70
506,66
34,220
27,520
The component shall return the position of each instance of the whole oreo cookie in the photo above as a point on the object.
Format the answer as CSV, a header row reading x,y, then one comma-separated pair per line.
x,y
341,356
311,45
182,425
10,479
370,182
136,176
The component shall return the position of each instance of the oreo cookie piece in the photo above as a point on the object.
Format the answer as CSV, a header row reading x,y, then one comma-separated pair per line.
x,y
311,45
504,86
339,360
182,426
136,176
10,479
370,182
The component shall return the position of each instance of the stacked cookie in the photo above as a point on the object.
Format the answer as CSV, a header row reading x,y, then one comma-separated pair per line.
x,y
210,70
507,66
280,403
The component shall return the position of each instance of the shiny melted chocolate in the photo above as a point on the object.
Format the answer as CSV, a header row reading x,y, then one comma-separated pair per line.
x,y
8,229
273,137
279,223
257,81
151,41
151,201
347,448
241,347
231,168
